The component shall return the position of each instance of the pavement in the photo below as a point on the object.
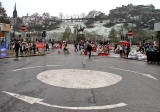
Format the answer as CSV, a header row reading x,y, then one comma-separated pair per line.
x,y
9,54
73,83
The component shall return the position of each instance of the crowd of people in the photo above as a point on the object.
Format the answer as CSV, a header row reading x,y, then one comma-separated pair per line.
x,y
88,47
151,47
123,50
24,47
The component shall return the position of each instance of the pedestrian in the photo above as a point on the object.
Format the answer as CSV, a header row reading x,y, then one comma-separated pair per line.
x,y
17,46
66,49
89,49
47,47
115,48
127,50
75,47
34,47
52,43
121,50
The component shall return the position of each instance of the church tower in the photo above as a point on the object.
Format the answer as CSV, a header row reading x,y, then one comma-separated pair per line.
x,y
15,12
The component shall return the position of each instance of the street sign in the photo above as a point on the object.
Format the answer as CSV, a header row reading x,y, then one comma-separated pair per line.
x,y
23,27
130,36
130,33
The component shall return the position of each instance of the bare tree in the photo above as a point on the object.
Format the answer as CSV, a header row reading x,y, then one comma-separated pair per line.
x,y
82,15
61,15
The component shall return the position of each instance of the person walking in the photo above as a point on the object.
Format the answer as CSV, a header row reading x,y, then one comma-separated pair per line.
x,y
127,50
17,46
89,49
75,47
34,47
121,50
47,47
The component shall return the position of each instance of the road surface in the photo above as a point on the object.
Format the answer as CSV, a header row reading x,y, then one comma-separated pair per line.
x,y
73,83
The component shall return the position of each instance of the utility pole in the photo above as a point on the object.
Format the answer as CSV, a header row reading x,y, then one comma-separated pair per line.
x,y
158,35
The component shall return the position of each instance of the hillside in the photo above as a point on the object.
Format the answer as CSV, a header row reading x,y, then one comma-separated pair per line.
x,y
98,29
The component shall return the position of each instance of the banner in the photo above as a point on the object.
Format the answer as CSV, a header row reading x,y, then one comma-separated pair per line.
x,y
39,45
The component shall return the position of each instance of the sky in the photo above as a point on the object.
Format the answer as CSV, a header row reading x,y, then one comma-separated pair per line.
x,y
68,7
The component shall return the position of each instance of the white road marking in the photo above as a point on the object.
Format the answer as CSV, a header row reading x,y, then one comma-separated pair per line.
x,y
28,99
32,100
79,79
35,67
146,75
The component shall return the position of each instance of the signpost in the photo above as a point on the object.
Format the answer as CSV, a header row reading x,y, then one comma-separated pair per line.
x,y
157,29
23,28
130,36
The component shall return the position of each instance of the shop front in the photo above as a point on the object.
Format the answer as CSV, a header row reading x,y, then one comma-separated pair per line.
x,y
4,36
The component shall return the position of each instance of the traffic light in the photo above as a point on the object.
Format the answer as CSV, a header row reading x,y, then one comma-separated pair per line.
x,y
44,34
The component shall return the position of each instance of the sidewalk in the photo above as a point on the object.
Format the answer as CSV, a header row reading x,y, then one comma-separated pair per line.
x,y
113,55
10,54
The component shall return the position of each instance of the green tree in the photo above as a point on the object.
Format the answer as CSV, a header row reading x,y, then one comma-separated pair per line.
x,y
113,35
67,33
140,35
89,23
3,15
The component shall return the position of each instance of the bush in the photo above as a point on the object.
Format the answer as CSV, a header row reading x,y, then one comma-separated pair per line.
x,y
109,25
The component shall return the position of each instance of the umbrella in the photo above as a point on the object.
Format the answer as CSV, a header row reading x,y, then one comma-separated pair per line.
x,y
123,42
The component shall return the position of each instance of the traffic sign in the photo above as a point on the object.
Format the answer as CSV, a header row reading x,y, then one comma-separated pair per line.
x,y
23,27
130,33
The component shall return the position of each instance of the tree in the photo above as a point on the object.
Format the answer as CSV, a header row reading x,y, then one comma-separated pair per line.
x,y
82,15
89,23
18,23
61,15
67,33
35,22
113,35
93,13
46,19
3,15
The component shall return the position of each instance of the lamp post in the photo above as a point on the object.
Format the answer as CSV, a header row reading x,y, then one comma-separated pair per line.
x,y
158,36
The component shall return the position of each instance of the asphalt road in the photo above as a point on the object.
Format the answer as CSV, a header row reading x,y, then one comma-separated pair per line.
x,y
73,83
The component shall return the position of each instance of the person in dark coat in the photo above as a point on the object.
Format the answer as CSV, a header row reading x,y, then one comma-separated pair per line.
x,y
89,49
17,46
47,47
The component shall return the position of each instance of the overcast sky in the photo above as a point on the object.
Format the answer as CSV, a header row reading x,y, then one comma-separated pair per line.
x,y
69,7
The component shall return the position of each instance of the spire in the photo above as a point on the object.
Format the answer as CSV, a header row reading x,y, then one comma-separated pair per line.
x,y
15,12
15,7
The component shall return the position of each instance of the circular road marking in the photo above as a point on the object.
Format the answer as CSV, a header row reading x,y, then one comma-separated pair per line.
x,y
78,79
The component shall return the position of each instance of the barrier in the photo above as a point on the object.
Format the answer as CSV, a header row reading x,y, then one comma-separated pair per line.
x,y
57,47
103,54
